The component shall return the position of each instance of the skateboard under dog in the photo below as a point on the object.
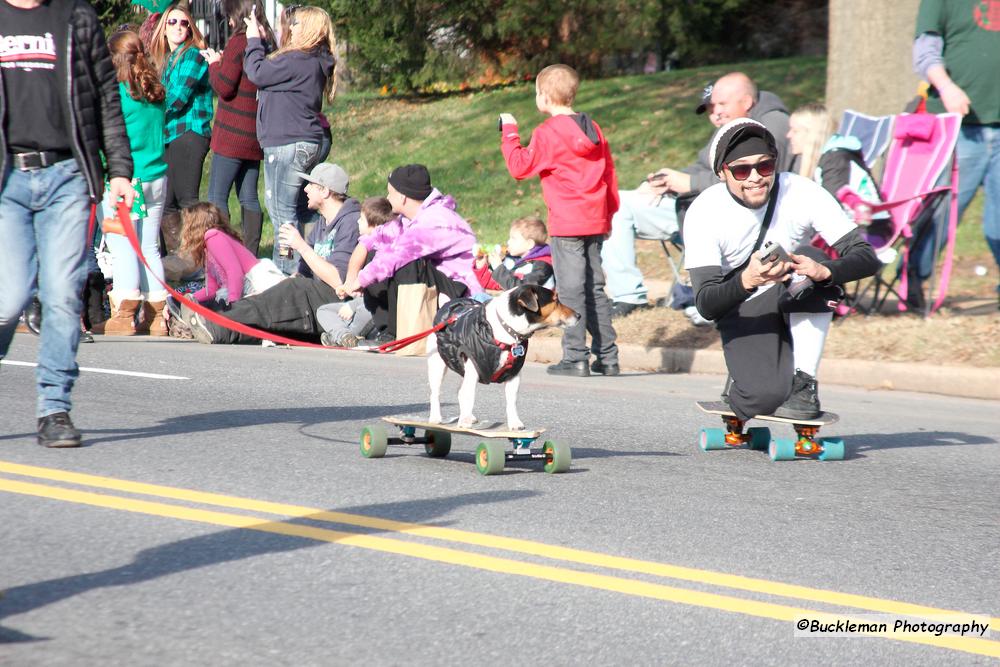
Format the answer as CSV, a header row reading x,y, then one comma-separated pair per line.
x,y
491,454
807,445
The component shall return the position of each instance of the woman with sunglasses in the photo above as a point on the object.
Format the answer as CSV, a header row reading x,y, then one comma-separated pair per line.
x,y
772,314
236,153
175,51
293,83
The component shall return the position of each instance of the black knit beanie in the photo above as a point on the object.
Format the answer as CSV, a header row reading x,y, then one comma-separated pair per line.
x,y
412,180
739,138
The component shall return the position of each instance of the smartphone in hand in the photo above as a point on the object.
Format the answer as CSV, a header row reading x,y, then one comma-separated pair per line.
x,y
773,252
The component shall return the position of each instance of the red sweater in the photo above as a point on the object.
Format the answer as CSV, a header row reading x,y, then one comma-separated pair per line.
x,y
234,134
573,160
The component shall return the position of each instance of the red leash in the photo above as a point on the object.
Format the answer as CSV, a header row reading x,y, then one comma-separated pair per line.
x,y
226,323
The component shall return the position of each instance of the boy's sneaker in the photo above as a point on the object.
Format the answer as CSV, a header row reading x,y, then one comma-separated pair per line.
x,y
804,400
575,368
326,340
602,368
348,340
57,430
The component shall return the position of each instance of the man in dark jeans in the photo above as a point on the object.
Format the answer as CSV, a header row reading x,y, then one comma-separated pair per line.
x,y
61,112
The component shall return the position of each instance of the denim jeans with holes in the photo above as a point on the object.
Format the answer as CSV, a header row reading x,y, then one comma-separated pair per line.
x,y
282,184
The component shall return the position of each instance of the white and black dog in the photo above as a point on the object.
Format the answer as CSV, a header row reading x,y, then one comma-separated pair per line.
x,y
488,343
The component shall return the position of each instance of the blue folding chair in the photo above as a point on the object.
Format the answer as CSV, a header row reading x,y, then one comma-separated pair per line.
x,y
874,132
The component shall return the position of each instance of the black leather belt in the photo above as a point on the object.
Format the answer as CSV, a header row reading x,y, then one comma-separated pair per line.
x,y
39,159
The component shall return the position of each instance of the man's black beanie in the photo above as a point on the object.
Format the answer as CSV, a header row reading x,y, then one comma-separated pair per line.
x,y
412,180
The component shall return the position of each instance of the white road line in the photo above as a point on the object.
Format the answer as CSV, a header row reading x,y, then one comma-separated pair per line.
x,y
108,371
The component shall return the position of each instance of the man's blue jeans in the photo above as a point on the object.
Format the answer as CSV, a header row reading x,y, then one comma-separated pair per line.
x,y
978,164
43,224
282,164
640,215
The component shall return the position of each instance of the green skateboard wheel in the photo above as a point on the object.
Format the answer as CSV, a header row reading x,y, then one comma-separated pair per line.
x,y
374,441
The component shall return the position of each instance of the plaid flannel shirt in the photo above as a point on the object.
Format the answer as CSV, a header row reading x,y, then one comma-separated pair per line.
x,y
189,95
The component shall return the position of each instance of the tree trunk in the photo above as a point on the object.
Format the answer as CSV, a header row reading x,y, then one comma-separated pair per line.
x,y
869,61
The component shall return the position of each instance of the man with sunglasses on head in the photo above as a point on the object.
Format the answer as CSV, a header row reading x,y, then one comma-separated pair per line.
x,y
772,313
60,113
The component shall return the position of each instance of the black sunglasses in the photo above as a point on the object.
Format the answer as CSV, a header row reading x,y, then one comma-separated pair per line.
x,y
184,22
741,172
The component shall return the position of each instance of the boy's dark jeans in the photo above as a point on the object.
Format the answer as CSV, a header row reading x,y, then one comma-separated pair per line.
x,y
576,261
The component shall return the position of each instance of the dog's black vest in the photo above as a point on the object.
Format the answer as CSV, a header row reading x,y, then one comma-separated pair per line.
x,y
470,336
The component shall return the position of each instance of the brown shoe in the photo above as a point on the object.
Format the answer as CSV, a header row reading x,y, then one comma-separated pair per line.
x,y
122,322
152,321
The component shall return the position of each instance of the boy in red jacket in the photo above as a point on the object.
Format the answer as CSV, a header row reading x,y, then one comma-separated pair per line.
x,y
573,160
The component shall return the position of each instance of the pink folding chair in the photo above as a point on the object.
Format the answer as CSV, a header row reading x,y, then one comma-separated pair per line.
x,y
922,149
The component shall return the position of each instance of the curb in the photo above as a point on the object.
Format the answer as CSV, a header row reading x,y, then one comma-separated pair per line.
x,y
963,381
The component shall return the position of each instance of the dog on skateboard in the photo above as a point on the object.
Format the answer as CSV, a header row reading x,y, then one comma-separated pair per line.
x,y
487,343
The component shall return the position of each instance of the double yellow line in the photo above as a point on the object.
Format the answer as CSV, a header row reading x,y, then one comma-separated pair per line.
x,y
452,556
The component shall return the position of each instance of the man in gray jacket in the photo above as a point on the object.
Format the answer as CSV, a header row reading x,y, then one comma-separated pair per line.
x,y
651,210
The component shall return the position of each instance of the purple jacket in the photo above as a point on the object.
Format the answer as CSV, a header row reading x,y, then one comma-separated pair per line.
x,y
437,233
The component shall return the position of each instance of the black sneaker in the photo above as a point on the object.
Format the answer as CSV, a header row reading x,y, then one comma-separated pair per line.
x,y
57,430
621,308
725,389
33,316
575,368
602,368
804,400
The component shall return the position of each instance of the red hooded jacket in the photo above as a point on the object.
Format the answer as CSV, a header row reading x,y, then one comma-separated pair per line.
x,y
573,160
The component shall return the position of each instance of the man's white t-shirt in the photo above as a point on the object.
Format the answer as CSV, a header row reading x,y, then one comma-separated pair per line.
x,y
720,232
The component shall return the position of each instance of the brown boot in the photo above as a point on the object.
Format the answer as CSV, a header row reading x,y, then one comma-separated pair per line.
x,y
122,322
152,321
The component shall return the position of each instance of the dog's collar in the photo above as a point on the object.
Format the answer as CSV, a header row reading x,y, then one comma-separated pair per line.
x,y
518,338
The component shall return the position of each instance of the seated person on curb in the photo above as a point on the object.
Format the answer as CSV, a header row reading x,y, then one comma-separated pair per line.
x,y
289,308
773,317
651,210
230,272
344,324
528,260
434,248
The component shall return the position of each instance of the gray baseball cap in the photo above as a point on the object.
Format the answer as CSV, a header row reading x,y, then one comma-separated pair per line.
x,y
330,176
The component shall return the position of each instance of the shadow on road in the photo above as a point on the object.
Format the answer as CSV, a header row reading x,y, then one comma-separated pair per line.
x,y
266,537
864,442
214,421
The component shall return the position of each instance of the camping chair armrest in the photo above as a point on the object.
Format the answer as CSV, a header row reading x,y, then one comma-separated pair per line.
x,y
851,199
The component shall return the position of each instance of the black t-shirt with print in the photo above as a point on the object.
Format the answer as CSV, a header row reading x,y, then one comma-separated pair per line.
x,y
34,119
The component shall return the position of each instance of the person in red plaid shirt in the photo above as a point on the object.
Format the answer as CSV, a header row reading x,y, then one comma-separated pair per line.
x,y
175,51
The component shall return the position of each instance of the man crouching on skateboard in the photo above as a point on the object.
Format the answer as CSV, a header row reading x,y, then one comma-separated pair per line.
x,y
754,273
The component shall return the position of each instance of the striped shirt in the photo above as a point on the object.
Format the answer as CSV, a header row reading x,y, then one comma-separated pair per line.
x,y
189,97
234,133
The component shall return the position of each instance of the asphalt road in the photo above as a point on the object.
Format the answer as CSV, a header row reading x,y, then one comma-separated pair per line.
x,y
227,517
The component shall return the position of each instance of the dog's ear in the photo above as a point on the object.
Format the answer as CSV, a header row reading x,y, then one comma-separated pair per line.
x,y
528,299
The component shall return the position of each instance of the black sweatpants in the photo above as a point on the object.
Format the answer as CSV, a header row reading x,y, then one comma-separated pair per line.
x,y
288,309
757,344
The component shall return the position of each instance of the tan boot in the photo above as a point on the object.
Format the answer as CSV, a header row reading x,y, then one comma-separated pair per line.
x,y
122,322
152,321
